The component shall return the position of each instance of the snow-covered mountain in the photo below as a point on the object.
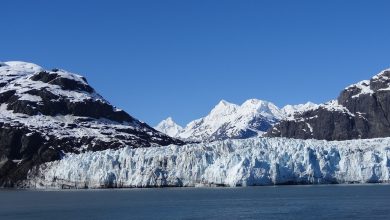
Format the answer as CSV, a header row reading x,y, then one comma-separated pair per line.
x,y
362,110
247,162
227,120
169,127
46,113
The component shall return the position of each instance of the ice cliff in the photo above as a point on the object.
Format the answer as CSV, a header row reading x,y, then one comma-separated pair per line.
x,y
254,161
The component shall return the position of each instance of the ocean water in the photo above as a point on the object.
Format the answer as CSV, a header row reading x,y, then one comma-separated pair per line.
x,y
264,202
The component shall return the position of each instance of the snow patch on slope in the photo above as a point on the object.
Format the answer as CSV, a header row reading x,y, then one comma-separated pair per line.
x,y
368,86
382,75
331,106
363,87
334,105
290,110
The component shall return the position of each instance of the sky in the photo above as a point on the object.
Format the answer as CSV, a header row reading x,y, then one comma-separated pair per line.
x,y
156,59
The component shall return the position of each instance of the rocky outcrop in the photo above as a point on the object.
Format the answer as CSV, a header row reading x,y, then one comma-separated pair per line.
x,y
44,114
361,111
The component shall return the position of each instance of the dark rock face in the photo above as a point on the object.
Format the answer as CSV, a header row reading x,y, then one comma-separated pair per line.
x,y
20,149
48,113
64,83
261,123
321,124
362,112
375,107
53,105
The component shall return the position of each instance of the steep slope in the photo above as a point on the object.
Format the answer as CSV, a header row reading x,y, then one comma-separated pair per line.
x,y
362,110
169,127
227,120
254,161
44,114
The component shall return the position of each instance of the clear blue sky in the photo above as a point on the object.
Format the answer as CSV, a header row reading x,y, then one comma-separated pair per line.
x,y
179,58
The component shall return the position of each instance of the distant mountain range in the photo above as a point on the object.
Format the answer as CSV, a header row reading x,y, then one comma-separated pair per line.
x,y
230,121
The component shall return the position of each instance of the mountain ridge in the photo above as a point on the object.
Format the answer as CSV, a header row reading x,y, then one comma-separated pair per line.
x,y
228,120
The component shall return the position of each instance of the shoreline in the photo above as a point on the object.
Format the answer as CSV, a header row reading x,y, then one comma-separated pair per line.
x,y
2,189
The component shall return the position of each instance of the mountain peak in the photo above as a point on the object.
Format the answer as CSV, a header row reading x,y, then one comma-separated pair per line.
x,y
169,119
254,102
383,74
266,108
169,127
223,103
223,108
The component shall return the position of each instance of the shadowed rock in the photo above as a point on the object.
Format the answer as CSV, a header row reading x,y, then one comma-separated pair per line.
x,y
363,112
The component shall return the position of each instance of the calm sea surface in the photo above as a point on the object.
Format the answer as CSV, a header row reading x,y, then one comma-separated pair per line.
x,y
275,202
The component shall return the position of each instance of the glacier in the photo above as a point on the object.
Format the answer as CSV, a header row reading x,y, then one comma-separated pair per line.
x,y
246,162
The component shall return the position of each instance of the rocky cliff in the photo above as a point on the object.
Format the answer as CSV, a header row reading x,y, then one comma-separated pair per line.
x,y
361,111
